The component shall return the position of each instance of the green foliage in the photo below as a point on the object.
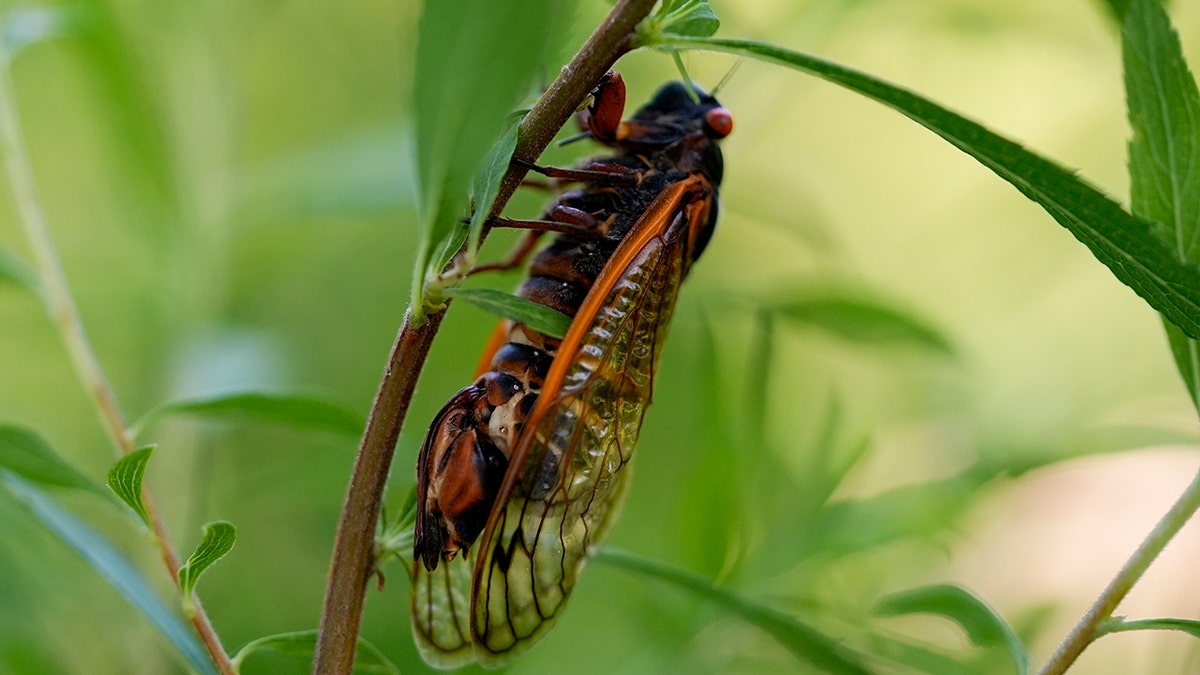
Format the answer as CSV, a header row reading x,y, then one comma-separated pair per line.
x,y
803,641
125,479
857,317
300,411
217,540
244,171
983,625
1124,243
1164,111
13,270
114,567
28,455
475,59
508,306
302,643
1120,624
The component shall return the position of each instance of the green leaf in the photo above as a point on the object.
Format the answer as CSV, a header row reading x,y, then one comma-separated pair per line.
x,y
984,626
682,18
115,568
125,479
475,61
1164,153
13,270
25,26
804,641
295,410
368,658
486,186
508,306
860,318
25,453
217,540
1119,624
1125,243
363,173
1117,8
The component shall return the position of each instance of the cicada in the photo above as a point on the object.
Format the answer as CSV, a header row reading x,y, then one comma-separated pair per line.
x,y
522,473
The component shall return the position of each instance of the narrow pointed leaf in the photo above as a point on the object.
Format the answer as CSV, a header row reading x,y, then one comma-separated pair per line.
x,y
1123,242
982,624
295,410
805,642
25,453
1119,624
217,541
13,270
861,318
1164,153
125,479
115,568
368,658
486,185
508,306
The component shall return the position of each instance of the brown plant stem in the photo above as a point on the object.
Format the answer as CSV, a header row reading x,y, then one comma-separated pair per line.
x,y
56,297
353,554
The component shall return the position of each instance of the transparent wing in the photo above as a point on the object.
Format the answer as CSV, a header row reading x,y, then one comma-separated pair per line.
x,y
573,457
441,610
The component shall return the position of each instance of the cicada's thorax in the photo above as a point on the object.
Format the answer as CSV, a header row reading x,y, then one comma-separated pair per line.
x,y
468,446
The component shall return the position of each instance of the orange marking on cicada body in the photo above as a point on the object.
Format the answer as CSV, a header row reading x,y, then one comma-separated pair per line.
x,y
539,440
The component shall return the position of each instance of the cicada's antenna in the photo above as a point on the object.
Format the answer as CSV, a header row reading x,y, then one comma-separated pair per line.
x,y
728,76
687,80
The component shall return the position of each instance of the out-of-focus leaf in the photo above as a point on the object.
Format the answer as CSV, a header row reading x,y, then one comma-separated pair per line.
x,y
918,658
508,306
368,658
1119,624
365,173
25,26
296,410
25,453
857,525
803,641
1117,8
217,540
13,270
115,568
1123,242
983,625
133,103
475,60
1164,153
711,511
125,479
860,318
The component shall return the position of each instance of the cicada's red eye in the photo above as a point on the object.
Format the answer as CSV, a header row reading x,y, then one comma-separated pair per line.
x,y
719,121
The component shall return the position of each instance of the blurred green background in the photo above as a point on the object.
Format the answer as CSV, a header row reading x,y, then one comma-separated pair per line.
x,y
231,191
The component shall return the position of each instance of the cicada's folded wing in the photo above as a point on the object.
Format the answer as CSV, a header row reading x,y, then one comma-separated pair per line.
x,y
568,472
441,611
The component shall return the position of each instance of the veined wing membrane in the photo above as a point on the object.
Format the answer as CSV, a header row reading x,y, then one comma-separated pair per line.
x,y
567,475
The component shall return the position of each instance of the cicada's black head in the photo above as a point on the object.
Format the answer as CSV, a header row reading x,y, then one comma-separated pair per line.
x,y
675,116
